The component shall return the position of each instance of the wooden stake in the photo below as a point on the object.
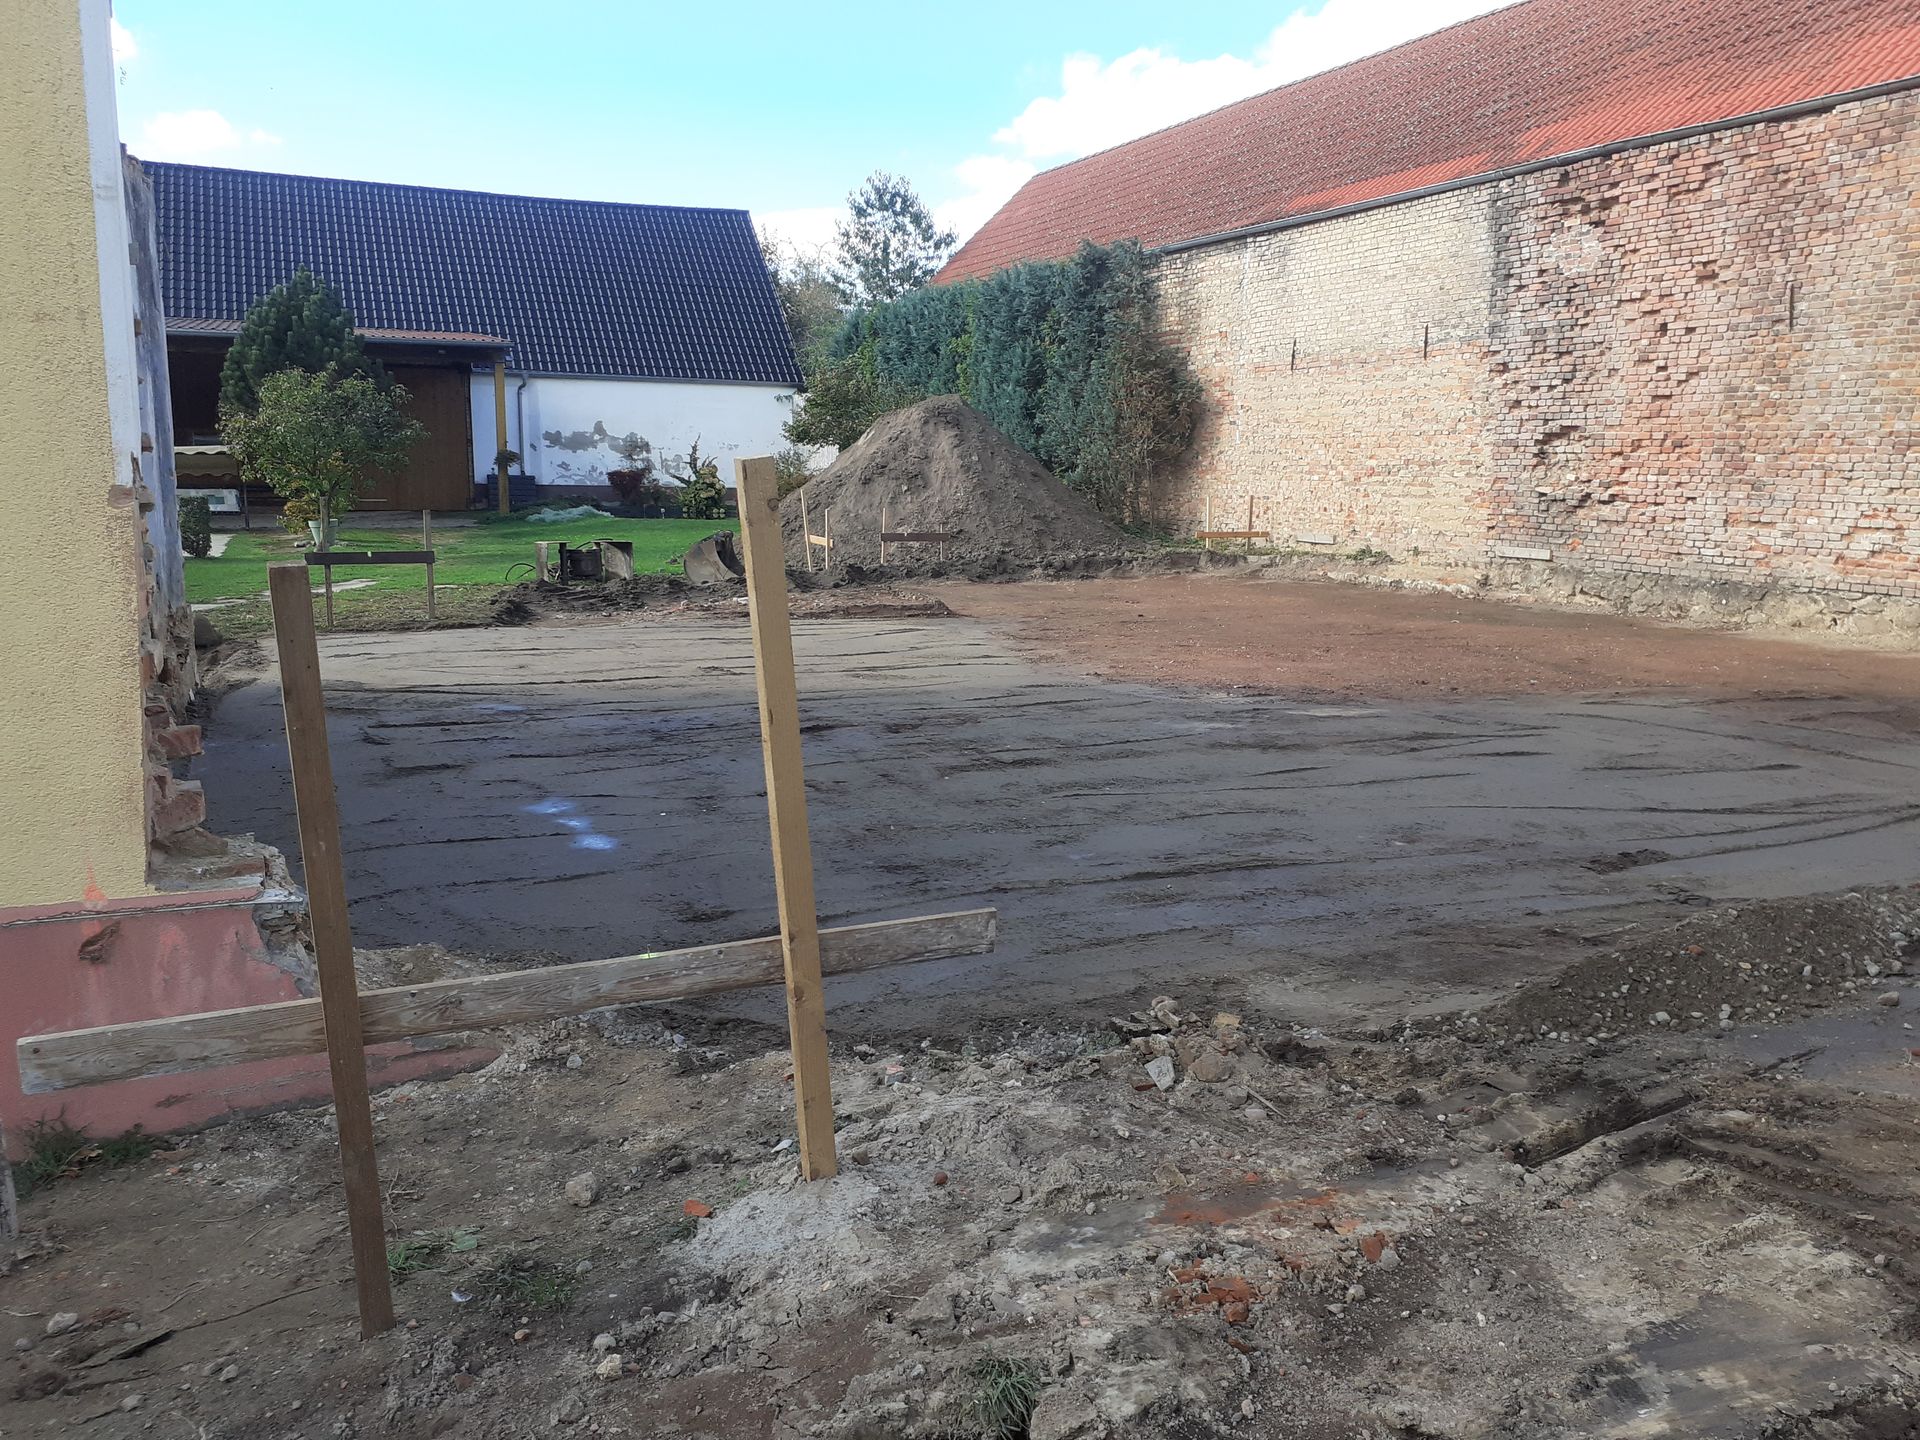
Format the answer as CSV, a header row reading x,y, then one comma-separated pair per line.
x,y
426,544
318,812
1249,525
327,585
1208,544
787,811
884,527
500,436
806,528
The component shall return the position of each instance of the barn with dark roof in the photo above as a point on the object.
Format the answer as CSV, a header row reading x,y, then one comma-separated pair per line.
x,y
1612,297
584,322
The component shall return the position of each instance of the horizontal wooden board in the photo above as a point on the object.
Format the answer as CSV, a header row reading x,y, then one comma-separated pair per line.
x,y
473,1002
820,540
919,537
369,557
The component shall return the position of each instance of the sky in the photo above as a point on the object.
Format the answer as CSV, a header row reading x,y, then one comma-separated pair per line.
x,y
772,109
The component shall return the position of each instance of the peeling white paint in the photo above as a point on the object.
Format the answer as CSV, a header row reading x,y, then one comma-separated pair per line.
x,y
571,424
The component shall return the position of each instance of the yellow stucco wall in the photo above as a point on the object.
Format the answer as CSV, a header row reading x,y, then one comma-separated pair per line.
x,y
72,772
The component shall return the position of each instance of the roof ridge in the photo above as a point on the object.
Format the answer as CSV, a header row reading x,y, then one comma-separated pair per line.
x,y
442,189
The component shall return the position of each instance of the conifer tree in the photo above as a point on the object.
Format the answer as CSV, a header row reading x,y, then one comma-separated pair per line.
x,y
300,325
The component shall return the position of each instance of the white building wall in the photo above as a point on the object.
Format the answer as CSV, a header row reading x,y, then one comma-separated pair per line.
x,y
570,424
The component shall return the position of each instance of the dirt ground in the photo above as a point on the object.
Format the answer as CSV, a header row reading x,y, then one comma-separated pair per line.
x,y
1241,632
1362,1060
1529,1221
592,789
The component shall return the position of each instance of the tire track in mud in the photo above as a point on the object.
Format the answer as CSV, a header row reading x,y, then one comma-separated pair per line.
x,y
1112,822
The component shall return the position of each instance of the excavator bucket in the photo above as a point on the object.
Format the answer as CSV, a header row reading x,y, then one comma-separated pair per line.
x,y
714,561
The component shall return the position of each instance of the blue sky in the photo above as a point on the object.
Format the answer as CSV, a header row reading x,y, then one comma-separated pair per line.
x,y
771,108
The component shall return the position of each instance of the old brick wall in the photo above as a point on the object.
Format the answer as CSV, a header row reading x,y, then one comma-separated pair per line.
x,y
1345,366
1695,361
1709,353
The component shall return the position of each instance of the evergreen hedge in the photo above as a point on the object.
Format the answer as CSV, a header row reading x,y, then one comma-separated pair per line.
x,y
1063,356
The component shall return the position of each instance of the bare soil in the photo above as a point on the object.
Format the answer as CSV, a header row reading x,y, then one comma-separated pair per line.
x,y
1239,631
1415,1229
942,466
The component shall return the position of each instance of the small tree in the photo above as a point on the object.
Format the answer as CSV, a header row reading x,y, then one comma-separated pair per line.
x,y
889,244
636,482
702,495
843,398
317,439
196,526
301,325
810,302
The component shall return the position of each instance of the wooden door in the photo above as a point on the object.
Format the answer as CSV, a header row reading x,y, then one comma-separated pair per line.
x,y
439,476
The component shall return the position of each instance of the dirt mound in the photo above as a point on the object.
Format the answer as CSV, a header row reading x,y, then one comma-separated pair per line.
x,y
937,466
1744,965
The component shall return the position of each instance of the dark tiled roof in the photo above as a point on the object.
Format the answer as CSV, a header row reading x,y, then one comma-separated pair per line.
x,y
1537,80
579,287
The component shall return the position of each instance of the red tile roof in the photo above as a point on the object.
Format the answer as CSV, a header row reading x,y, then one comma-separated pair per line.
x,y
1537,80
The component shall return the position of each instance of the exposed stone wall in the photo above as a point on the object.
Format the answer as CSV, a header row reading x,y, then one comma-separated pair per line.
x,y
1346,371
1695,361
1711,356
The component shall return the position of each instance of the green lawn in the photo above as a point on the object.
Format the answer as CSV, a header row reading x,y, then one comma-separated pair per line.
x,y
479,554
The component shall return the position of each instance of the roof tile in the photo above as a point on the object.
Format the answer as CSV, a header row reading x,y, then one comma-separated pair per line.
x,y
578,287
1527,83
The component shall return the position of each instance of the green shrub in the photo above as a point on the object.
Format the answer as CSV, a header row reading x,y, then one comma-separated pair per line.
x,y
1065,357
196,526
703,496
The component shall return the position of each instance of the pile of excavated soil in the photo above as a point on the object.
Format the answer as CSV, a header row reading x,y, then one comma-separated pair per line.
x,y
939,466
1765,962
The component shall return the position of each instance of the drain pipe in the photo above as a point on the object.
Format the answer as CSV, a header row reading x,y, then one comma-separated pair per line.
x,y
520,425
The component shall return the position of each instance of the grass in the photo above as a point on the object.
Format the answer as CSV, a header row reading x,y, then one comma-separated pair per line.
x,y
1004,1394
429,1249
57,1150
527,1284
469,555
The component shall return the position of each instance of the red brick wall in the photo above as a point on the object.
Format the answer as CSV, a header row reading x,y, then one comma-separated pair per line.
x,y
1697,360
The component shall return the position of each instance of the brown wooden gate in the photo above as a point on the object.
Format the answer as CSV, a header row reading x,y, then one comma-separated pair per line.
x,y
439,476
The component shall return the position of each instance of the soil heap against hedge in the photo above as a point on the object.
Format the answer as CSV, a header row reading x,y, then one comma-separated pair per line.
x,y
940,465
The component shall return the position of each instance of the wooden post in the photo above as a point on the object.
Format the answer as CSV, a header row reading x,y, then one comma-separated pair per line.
x,y
787,811
806,525
1249,524
1208,544
9,1206
500,433
883,532
318,812
326,584
426,544
826,533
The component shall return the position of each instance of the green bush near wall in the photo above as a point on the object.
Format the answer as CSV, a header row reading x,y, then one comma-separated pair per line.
x,y
1065,357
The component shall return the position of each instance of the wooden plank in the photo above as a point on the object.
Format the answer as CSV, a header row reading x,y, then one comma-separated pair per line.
x,y
317,811
758,482
426,543
184,1043
370,557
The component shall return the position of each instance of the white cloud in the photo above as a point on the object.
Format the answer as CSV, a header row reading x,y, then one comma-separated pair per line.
x,y
1101,103
193,135
805,231
124,48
